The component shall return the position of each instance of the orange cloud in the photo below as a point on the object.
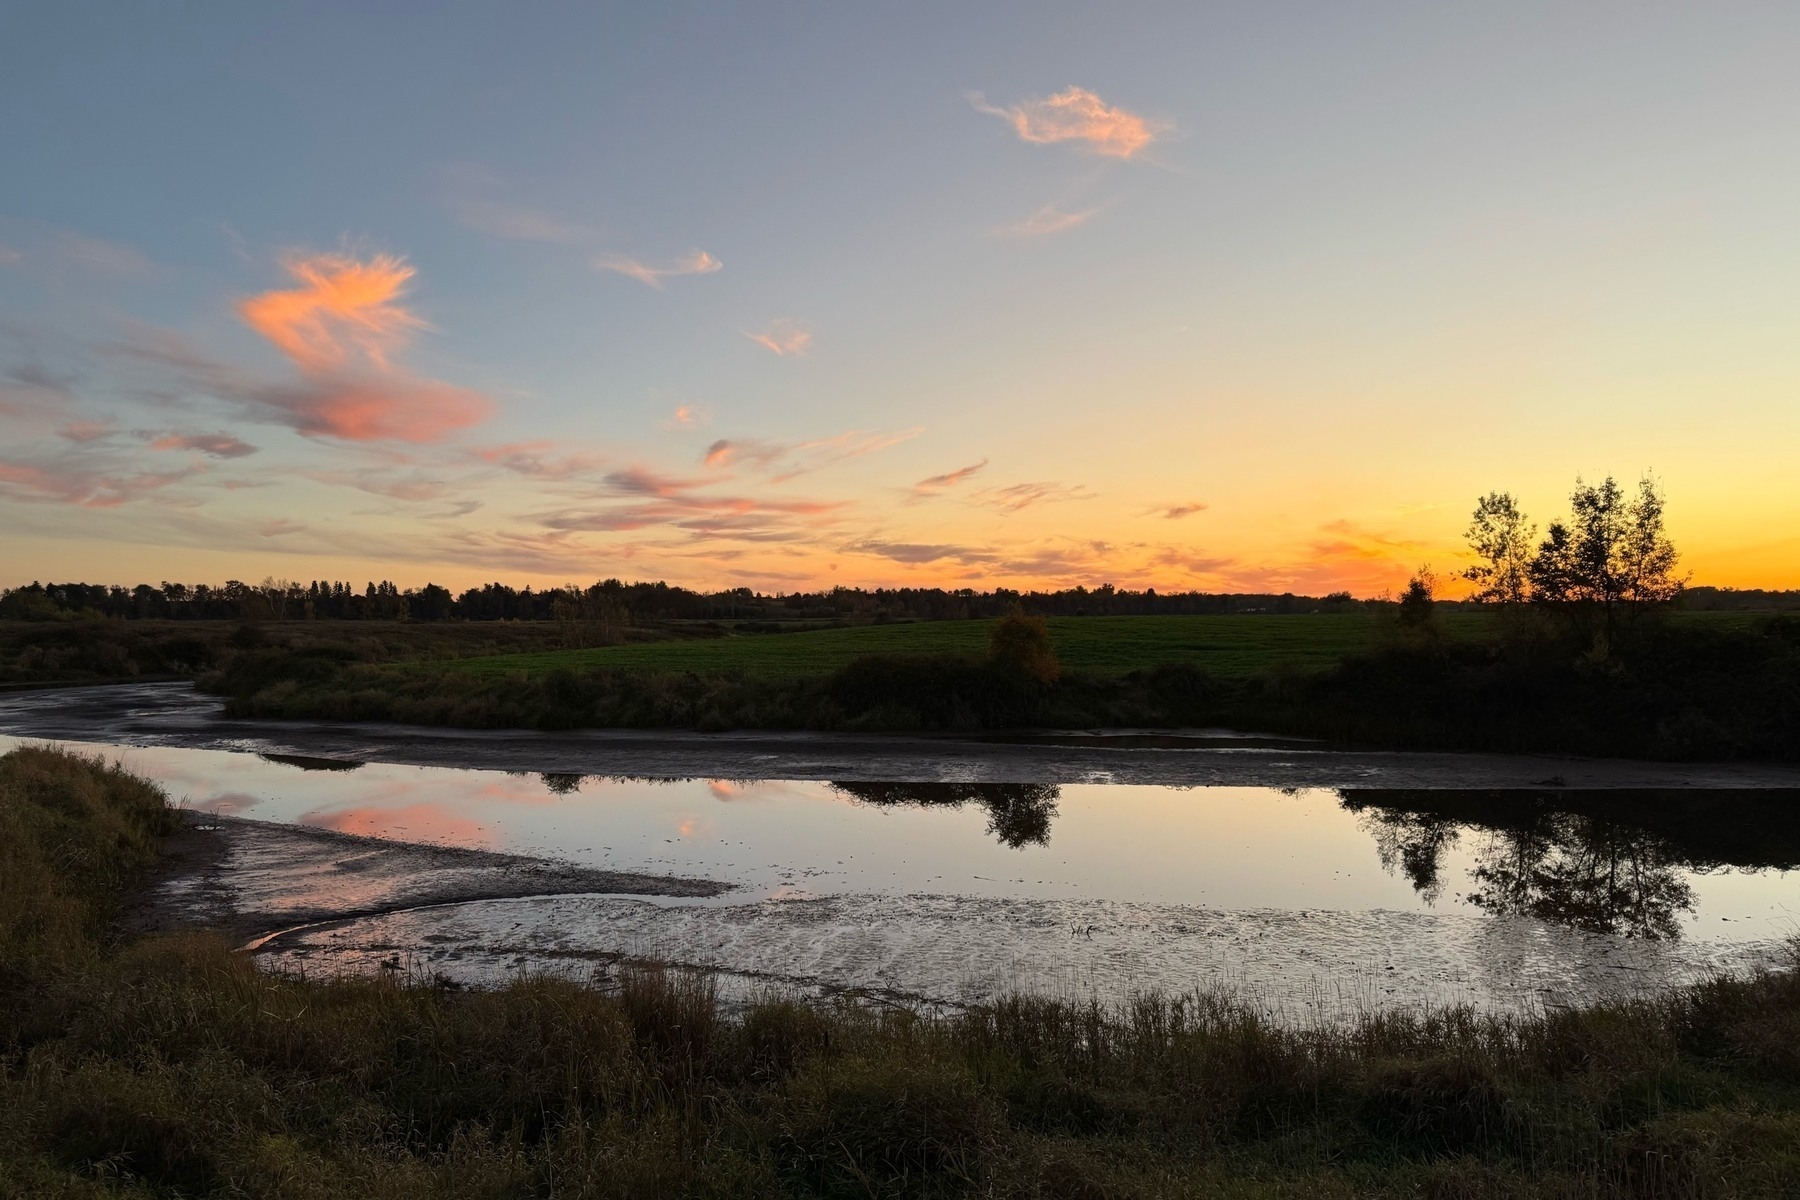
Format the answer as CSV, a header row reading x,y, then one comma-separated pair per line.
x,y
1076,115
698,262
340,327
340,301
784,337
688,416
1046,220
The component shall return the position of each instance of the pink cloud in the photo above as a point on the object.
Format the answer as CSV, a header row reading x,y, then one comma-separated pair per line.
x,y
1076,115
218,445
84,431
341,328
688,416
697,262
1046,220
784,337
70,484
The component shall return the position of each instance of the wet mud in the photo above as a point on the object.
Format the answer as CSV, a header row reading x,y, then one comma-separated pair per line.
x,y
250,879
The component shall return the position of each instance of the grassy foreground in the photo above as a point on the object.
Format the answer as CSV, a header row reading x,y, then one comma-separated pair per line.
x,y
172,1067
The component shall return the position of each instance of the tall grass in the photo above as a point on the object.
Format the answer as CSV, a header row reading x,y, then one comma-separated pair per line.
x,y
172,1066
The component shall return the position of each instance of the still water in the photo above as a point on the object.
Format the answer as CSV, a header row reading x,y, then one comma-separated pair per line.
x,y
948,892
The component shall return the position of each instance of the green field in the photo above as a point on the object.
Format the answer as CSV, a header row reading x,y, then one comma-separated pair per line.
x,y
1228,646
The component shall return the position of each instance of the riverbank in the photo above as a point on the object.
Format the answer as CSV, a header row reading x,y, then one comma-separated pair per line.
x,y
176,715
168,1062
1672,690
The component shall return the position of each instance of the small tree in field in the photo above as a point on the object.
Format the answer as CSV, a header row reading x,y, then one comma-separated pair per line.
x,y
1022,644
1416,601
1501,538
1611,560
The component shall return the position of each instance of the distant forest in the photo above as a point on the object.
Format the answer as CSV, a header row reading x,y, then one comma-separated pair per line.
x,y
613,600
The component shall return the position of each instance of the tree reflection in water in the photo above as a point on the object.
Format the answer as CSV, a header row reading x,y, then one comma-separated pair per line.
x,y
1019,814
1568,868
1585,873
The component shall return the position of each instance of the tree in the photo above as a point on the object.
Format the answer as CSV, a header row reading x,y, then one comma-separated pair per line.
x,y
1022,644
1611,560
1500,536
1416,601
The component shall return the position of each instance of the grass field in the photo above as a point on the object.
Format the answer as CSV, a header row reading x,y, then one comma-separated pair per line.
x,y
1232,647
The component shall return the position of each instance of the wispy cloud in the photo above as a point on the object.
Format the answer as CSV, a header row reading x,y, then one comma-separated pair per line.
x,y
377,483
785,337
1046,220
698,262
279,526
688,416
1174,512
788,460
344,307
932,485
1076,115
341,328
84,431
535,460
1020,496
71,482
217,445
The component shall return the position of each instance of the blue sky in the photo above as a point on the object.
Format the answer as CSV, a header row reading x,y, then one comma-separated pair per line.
x,y
1218,296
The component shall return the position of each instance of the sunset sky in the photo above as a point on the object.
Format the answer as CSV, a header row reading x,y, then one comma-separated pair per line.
x,y
1252,296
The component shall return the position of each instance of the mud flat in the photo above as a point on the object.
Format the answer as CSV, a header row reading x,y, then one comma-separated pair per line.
x,y
174,714
255,878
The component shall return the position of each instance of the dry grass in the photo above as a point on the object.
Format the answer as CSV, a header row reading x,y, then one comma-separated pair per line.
x,y
174,1067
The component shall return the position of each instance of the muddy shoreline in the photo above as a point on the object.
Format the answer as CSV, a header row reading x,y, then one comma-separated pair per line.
x,y
173,714
251,879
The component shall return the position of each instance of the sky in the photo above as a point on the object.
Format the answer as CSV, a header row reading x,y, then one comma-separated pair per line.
x,y
1230,297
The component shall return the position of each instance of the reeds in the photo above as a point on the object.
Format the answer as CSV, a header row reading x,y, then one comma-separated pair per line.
x,y
172,1066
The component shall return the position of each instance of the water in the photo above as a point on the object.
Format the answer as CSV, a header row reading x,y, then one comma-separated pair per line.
x,y
947,891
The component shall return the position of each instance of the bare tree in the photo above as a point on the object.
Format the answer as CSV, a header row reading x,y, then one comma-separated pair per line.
x,y
1501,537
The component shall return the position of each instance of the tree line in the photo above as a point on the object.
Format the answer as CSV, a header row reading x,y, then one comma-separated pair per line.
x,y
611,602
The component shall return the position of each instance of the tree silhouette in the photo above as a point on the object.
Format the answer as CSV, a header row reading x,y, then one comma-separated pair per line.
x,y
1611,560
1501,537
